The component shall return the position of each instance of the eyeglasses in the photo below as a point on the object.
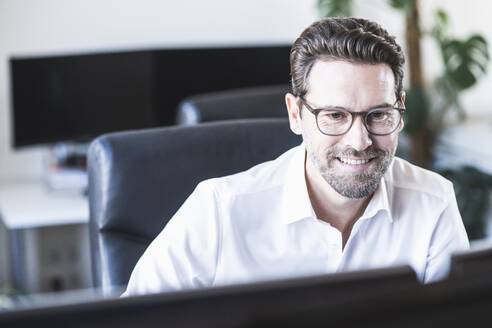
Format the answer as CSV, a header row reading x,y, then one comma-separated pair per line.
x,y
336,121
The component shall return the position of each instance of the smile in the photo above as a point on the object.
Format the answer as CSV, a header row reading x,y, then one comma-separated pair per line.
x,y
351,161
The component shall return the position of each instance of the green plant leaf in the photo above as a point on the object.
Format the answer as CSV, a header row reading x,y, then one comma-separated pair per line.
x,y
442,17
465,61
401,4
441,25
447,97
331,8
417,113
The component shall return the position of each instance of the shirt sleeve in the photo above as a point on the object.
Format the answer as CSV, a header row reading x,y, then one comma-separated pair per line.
x,y
185,254
449,236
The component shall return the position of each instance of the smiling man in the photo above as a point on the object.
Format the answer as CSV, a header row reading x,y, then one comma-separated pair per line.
x,y
340,201
351,136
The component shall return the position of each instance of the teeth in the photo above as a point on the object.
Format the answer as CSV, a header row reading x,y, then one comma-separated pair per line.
x,y
353,161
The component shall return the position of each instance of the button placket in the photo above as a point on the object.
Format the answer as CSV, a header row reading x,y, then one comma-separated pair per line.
x,y
332,240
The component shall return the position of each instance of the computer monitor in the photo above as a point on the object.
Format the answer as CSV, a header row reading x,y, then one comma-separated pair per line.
x,y
248,305
76,97
375,298
449,303
477,261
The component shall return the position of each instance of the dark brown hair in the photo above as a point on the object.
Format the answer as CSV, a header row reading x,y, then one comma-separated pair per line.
x,y
350,39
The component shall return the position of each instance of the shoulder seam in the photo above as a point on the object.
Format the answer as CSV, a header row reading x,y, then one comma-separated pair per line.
x,y
422,190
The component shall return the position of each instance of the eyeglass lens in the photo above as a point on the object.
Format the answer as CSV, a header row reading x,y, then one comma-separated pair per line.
x,y
379,121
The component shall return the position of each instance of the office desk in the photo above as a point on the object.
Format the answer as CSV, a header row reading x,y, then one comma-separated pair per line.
x,y
30,211
31,204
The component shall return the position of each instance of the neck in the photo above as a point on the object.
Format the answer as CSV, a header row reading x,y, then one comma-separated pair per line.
x,y
329,206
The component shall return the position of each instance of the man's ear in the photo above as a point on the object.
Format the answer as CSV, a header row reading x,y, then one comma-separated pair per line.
x,y
294,113
402,124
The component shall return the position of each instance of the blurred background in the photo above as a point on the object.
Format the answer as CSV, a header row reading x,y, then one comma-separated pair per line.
x,y
43,210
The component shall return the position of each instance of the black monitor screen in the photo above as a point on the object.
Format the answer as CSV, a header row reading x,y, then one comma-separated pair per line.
x,y
78,97
74,97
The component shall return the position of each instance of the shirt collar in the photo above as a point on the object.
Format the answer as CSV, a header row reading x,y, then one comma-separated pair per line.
x,y
296,204
380,201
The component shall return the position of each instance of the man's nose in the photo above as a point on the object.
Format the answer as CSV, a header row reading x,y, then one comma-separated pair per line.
x,y
357,137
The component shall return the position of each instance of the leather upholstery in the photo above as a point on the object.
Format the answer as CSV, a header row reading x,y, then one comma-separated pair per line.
x,y
138,179
257,102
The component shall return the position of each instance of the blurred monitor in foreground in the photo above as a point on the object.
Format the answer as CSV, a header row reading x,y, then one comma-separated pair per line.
x,y
474,262
339,296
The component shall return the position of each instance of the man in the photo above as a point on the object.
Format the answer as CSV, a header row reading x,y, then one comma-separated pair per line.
x,y
340,201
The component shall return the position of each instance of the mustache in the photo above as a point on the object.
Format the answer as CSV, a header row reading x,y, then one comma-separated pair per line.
x,y
369,152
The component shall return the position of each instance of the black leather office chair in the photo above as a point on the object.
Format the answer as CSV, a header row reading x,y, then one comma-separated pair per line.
x,y
254,102
138,179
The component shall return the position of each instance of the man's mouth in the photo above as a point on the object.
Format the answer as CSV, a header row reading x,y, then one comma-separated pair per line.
x,y
354,161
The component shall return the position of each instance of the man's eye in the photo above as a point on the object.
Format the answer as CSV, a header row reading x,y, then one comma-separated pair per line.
x,y
335,116
378,115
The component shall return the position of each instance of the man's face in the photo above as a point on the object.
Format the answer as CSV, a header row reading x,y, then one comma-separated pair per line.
x,y
353,163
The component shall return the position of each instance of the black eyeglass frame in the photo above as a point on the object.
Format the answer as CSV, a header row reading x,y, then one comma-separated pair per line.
x,y
316,111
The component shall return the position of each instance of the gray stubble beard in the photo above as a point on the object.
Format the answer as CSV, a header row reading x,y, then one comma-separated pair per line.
x,y
354,186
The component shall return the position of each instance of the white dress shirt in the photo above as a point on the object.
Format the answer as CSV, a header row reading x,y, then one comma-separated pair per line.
x,y
259,225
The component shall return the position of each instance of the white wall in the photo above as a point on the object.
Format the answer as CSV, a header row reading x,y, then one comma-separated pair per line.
x,y
31,27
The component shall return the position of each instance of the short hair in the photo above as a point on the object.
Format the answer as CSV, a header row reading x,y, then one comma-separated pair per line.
x,y
349,39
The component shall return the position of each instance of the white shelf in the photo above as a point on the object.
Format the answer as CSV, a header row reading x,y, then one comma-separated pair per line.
x,y
32,205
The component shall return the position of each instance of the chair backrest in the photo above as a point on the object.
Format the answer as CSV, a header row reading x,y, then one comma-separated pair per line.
x,y
138,180
256,102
